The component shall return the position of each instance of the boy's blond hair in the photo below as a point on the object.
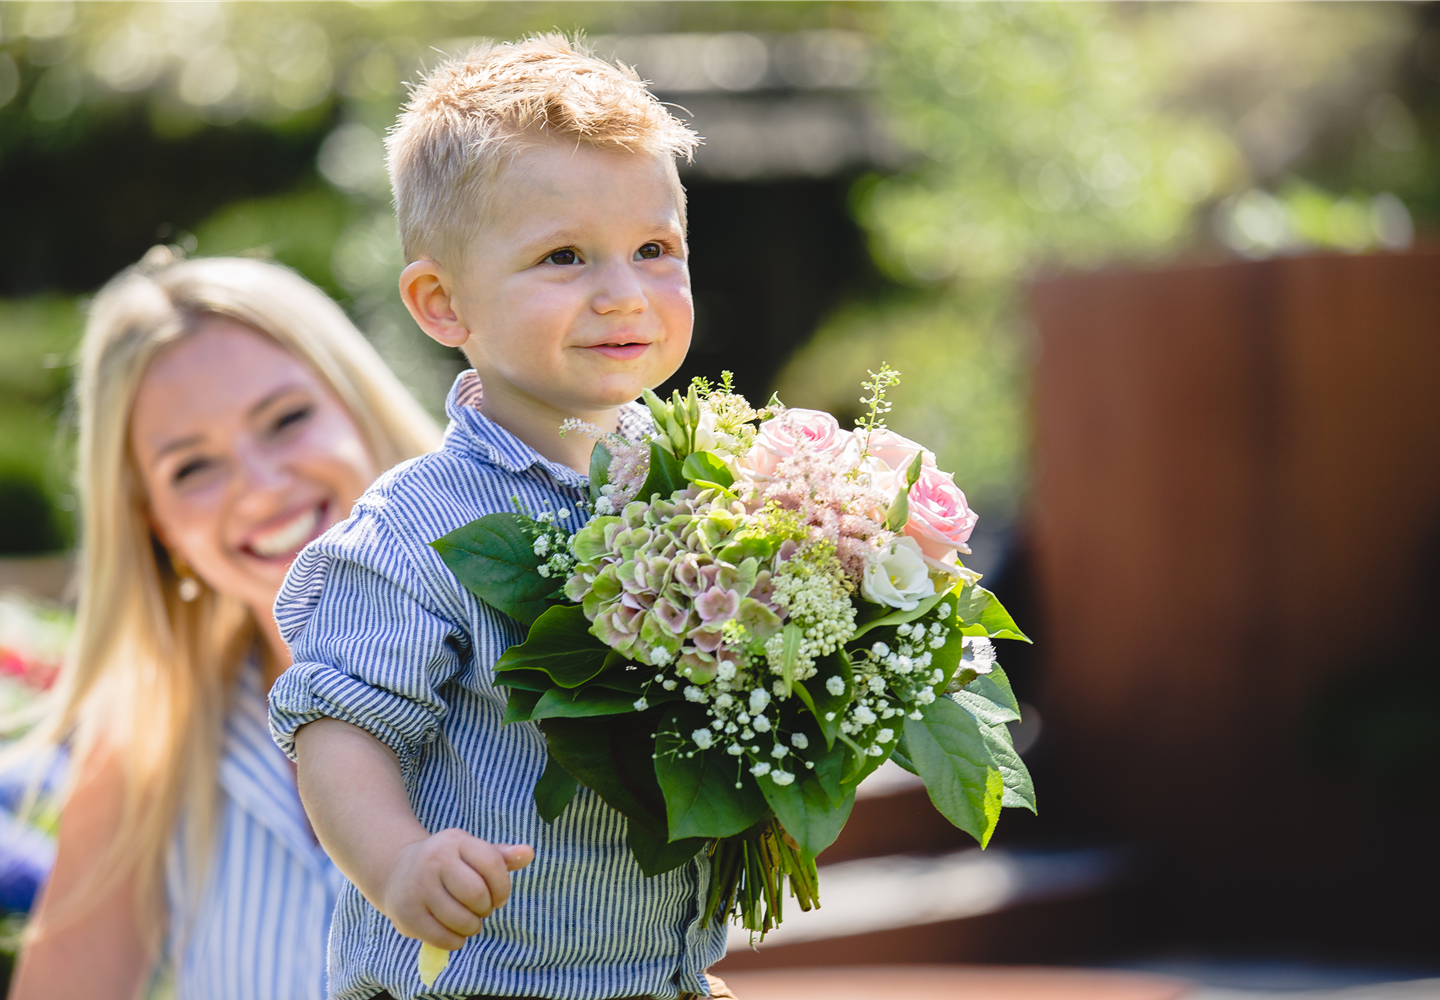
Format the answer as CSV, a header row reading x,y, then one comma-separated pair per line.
x,y
475,111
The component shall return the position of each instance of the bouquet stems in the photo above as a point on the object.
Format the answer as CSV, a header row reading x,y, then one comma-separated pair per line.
x,y
747,874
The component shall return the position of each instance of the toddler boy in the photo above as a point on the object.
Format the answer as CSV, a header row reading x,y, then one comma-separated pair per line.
x,y
544,222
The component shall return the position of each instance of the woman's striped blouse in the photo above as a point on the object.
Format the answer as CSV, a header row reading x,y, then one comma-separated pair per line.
x,y
252,924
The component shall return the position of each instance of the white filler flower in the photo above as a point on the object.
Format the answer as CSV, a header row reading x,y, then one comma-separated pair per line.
x,y
899,578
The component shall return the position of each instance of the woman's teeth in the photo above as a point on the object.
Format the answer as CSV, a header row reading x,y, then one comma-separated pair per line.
x,y
287,537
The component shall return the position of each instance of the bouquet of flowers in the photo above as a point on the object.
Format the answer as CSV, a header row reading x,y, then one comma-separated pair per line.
x,y
761,609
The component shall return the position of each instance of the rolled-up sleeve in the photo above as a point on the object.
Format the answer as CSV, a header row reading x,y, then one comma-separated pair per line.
x,y
367,648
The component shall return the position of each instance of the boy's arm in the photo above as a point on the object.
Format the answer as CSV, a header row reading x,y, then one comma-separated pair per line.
x,y
436,887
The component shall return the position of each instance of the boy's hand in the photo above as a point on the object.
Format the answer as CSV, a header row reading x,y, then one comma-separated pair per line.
x,y
443,886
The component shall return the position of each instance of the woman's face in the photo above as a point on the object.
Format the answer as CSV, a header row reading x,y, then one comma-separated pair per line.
x,y
245,455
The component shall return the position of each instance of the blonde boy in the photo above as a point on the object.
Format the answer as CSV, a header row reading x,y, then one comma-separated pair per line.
x,y
544,222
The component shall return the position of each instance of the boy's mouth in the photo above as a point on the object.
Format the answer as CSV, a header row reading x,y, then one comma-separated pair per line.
x,y
621,350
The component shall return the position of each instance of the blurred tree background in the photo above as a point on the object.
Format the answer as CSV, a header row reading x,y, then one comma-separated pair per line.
x,y
878,181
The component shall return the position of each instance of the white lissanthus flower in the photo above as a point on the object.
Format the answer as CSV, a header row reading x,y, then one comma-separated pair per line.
x,y
899,576
703,739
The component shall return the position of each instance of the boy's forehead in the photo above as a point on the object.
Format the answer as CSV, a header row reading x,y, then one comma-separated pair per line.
x,y
551,183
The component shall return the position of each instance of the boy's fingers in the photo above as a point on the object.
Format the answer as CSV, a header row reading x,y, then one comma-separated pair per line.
x,y
432,931
453,917
468,887
516,856
487,860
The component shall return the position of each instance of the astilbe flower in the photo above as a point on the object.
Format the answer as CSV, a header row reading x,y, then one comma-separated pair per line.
x,y
629,465
837,505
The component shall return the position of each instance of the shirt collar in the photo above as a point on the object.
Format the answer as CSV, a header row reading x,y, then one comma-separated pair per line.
x,y
472,430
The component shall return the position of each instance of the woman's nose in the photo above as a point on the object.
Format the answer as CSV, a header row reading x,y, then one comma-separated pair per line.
x,y
260,471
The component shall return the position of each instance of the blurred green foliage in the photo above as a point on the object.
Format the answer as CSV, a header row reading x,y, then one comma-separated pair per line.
x,y
1078,135
37,340
1042,136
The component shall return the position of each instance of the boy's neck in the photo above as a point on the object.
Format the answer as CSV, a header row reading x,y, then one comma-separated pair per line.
x,y
538,425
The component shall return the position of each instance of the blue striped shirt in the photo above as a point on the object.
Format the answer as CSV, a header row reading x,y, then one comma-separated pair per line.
x,y
384,637
252,926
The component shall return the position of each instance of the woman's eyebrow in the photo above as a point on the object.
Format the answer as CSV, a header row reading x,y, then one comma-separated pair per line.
x,y
179,444
270,399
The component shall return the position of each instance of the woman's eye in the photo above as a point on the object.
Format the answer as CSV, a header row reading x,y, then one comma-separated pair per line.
x,y
292,417
563,257
649,251
190,469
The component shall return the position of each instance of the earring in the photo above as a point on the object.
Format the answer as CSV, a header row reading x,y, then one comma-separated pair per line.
x,y
188,588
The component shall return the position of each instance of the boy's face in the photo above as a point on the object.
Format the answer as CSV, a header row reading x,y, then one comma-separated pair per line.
x,y
576,291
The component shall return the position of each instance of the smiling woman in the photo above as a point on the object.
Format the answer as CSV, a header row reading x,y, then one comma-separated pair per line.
x,y
229,413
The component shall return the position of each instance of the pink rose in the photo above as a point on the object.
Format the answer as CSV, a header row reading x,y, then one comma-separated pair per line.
x,y
940,520
896,451
795,430
888,458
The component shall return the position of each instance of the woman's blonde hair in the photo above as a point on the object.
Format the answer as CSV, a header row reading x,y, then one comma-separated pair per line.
x,y
149,674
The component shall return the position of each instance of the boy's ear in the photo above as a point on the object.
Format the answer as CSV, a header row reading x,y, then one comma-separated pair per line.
x,y
425,290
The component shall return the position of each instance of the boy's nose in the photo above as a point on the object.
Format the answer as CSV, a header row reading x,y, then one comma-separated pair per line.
x,y
619,289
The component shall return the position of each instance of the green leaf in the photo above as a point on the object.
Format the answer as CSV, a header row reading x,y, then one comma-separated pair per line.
x,y
554,790
560,645
901,755
707,467
898,617
656,855
701,799
529,680
989,698
814,808
1019,789
494,559
520,706
952,758
566,703
806,813
818,698
665,476
610,756
981,613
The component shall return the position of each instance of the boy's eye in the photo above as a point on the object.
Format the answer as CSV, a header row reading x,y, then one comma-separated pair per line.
x,y
649,251
563,257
